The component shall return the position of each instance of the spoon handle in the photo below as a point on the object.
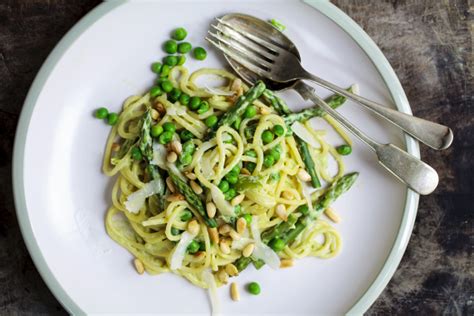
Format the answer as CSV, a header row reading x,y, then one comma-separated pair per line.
x,y
416,174
435,135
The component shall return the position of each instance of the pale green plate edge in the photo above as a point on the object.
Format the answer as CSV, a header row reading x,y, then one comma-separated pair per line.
x,y
328,9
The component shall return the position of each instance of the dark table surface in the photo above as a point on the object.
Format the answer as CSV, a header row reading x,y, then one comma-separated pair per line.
x,y
429,44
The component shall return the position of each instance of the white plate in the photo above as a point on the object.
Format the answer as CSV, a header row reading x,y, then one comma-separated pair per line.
x,y
61,195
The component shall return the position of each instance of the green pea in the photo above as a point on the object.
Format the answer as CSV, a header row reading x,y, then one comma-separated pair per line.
x,y
156,130
136,153
167,86
186,215
250,111
170,60
224,186
184,99
112,118
251,153
185,159
268,161
200,53
101,113
181,60
189,147
169,127
236,169
170,46
185,135
253,288
344,150
277,244
202,246
211,121
275,153
193,247
175,231
165,137
267,137
165,71
184,47
156,67
248,218
174,94
194,103
303,209
179,34
278,130
237,122
251,166
203,107
232,177
155,91
230,194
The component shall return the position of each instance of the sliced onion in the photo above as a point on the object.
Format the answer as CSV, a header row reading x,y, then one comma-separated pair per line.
x,y
262,251
180,251
260,197
224,207
171,167
137,199
241,243
176,110
212,290
355,88
218,91
302,132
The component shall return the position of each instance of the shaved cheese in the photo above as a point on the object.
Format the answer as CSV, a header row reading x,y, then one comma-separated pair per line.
x,y
176,110
307,191
159,155
302,132
212,290
217,91
262,251
224,207
355,88
241,243
180,251
136,200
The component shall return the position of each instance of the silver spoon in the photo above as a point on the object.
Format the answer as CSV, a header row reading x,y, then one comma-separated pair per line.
x,y
415,173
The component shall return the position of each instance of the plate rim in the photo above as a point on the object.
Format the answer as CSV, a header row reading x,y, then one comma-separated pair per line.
x,y
327,9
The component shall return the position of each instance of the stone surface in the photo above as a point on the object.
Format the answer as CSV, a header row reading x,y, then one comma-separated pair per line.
x,y
429,44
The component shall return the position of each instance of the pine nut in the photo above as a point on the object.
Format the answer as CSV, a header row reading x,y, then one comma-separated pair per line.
x,y
237,200
175,197
333,216
231,270
160,108
281,212
225,229
214,235
248,250
170,185
115,147
236,84
224,245
190,175
234,292
303,175
211,209
176,146
234,235
222,276
139,266
200,255
193,227
286,263
154,114
241,225
264,111
196,187
245,171
171,157
288,195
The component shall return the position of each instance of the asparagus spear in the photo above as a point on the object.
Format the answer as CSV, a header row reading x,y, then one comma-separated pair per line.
x,y
146,142
239,107
192,198
279,229
280,106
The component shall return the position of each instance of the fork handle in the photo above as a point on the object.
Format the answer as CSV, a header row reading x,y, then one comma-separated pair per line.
x,y
435,135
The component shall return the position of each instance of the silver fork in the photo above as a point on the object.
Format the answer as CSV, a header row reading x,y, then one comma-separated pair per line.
x,y
415,173
259,54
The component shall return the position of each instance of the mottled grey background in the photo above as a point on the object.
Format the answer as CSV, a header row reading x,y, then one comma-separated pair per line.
x,y
429,44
